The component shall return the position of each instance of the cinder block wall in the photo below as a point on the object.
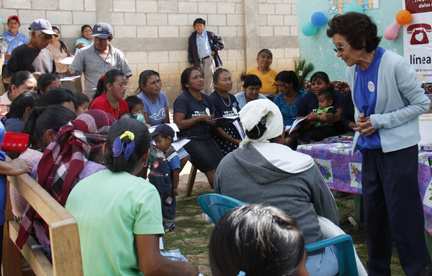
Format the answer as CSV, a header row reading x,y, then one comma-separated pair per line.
x,y
154,34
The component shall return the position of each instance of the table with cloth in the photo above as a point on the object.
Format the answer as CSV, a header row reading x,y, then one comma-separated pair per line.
x,y
342,171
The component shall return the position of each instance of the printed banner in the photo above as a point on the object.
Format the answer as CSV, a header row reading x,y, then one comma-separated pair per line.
x,y
418,37
337,6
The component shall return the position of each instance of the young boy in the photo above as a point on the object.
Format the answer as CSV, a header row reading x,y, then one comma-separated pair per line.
x,y
165,173
135,105
320,129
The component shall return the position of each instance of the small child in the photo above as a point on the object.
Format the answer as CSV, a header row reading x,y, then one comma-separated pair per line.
x,y
165,173
126,115
320,129
83,103
135,105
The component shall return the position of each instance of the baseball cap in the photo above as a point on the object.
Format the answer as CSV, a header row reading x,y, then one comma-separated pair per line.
x,y
42,25
102,30
163,129
14,17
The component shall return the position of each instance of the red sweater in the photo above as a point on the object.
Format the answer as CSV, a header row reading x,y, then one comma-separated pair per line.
x,y
102,103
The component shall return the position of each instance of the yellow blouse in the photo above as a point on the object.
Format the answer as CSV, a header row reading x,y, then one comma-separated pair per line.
x,y
267,79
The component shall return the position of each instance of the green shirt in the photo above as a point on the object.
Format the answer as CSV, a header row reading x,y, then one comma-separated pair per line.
x,y
110,209
320,112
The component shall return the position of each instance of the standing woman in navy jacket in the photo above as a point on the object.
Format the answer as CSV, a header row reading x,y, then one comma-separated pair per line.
x,y
388,99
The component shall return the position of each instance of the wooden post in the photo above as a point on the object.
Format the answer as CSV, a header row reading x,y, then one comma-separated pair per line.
x,y
191,181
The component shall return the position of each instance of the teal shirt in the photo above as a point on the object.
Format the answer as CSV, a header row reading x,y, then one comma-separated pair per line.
x,y
110,209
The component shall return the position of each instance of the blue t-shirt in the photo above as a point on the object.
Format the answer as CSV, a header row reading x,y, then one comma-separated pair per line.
x,y
241,98
289,112
365,95
14,41
155,111
3,190
225,107
191,107
83,40
309,102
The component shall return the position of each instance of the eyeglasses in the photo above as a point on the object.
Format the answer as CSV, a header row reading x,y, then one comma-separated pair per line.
x,y
341,49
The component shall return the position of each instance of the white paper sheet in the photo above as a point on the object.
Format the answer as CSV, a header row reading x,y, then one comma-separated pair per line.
x,y
294,125
67,61
69,78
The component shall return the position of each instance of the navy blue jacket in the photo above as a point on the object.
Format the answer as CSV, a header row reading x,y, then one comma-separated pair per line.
x,y
216,44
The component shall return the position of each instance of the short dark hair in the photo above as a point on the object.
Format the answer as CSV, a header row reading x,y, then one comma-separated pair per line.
x,y
199,20
132,101
85,26
265,51
250,80
56,96
320,75
256,239
131,116
327,94
142,145
184,78
81,98
43,118
358,29
45,80
288,77
20,103
218,72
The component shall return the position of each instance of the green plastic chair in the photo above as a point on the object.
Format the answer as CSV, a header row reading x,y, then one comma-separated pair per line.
x,y
216,205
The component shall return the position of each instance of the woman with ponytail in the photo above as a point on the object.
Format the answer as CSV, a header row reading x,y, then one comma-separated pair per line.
x,y
119,214
110,91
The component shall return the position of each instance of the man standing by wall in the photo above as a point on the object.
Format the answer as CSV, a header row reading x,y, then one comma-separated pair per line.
x,y
203,52
97,59
13,37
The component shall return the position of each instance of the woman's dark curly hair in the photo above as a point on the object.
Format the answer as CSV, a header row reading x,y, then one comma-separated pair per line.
x,y
356,27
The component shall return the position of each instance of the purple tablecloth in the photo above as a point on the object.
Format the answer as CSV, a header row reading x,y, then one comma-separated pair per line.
x,y
342,171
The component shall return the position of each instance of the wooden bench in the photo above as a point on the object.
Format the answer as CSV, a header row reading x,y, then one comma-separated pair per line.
x,y
63,232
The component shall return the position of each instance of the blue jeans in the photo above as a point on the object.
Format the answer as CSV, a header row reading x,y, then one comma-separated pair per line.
x,y
324,264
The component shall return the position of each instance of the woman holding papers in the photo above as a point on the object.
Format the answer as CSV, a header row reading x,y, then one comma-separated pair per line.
x,y
193,111
226,105
60,51
288,102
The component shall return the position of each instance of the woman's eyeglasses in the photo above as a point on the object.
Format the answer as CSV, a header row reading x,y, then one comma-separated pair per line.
x,y
341,49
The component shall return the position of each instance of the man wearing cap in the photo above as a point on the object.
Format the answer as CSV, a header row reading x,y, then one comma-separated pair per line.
x,y
33,56
97,59
203,52
13,37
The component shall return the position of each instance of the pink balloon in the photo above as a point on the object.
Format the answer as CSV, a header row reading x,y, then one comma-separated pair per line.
x,y
391,32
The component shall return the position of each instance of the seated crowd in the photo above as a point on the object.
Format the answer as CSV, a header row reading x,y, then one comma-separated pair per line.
x,y
92,151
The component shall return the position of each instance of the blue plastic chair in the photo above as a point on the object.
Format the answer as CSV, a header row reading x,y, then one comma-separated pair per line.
x,y
216,205
345,253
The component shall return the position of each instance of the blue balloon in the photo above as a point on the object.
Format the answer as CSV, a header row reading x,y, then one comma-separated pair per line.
x,y
309,29
353,7
318,19
1,21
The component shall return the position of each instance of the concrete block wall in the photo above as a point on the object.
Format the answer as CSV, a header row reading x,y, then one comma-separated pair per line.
x,y
154,34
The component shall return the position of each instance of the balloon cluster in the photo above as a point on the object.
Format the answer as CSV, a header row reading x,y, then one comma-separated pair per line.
x,y
403,17
318,19
311,27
